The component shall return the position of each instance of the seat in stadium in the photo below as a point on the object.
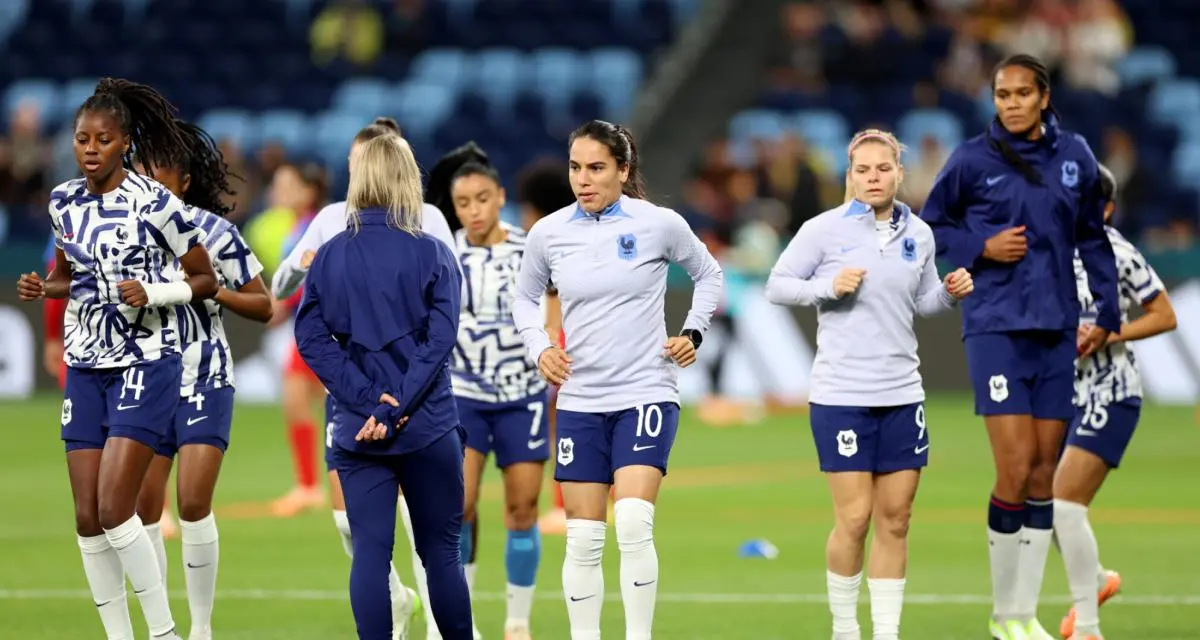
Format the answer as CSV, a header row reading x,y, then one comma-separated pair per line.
x,y
499,75
1186,164
45,94
619,71
940,124
757,124
557,74
447,67
364,97
74,93
233,125
1146,64
826,130
422,106
334,132
1174,100
12,15
287,127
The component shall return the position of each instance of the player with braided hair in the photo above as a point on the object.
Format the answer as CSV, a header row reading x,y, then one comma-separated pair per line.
x,y
199,433
120,240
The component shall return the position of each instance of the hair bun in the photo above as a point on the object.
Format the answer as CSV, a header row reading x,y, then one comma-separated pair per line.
x,y
390,123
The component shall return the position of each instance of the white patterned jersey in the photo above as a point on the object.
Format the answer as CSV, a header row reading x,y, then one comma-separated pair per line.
x,y
1111,374
207,361
134,232
489,362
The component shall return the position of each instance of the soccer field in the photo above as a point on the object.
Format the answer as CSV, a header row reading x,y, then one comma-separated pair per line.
x,y
287,578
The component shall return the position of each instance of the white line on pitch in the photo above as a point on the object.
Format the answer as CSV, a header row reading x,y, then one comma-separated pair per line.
x,y
687,598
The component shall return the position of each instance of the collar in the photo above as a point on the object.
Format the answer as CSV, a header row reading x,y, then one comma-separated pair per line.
x,y
1050,135
614,210
373,217
860,209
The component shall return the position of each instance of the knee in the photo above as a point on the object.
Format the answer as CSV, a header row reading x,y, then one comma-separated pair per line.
x,y
854,520
87,520
192,510
1012,479
1041,476
521,513
112,515
892,521
634,519
585,542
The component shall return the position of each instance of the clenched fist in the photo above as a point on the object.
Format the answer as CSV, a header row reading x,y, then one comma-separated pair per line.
x,y
847,281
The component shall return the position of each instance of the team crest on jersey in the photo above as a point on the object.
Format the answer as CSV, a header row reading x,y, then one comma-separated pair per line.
x,y
1070,174
998,388
626,246
908,250
66,412
566,451
847,442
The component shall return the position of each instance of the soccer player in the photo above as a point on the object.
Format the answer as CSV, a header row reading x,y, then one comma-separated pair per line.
x,y
501,398
868,266
618,405
542,190
118,237
377,325
1012,206
201,428
286,282
1108,401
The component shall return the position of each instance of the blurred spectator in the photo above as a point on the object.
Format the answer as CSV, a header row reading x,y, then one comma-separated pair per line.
x,y
1134,183
24,161
350,30
1099,36
920,170
798,59
296,194
793,176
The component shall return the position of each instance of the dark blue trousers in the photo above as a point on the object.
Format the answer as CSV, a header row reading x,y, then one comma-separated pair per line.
x,y
432,479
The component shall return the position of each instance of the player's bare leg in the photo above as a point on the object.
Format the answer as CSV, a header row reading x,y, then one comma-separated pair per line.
x,y
522,486
299,391
891,513
635,490
152,507
586,505
196,483
101,564
1080,476
853,501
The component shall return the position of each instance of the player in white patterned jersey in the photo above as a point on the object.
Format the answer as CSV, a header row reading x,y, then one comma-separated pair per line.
x,y
200,430
1108,397
501,397
118,238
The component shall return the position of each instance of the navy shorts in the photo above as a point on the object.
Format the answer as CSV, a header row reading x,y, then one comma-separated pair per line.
x,y
1105,429
205,417
870,439
592,446
136,402
516,431
1023,373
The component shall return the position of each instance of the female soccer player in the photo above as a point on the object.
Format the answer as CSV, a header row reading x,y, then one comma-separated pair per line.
x,y
618,406
1108,401
543,189
201,428
868,266
501,398
382,348
1012,205
118,236
329,222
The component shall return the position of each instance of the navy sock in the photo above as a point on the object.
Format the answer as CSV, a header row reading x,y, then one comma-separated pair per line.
x,y
1039,513
1005,517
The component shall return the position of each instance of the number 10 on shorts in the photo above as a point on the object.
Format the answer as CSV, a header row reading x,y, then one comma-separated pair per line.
x,y
649,421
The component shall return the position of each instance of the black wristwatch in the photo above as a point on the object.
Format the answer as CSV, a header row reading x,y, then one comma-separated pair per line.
x,y
695,336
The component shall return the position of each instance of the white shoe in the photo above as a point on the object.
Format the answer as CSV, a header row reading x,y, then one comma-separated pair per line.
x,y
402,614
1035,631
475,632
1009,630
201,634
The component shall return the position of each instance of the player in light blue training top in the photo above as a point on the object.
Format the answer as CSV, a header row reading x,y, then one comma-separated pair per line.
x,y
201,429
868,267
118,240
1108,403
618,406
501,397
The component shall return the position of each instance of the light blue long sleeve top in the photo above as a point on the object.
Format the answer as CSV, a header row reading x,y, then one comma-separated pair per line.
x,y
610,270
866,346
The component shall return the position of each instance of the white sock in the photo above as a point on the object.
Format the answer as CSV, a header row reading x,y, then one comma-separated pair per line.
x,y
342,522
1080,556
1035,548
519,607
887,600
583,577
201,552
137,557
106,579
160,549
431,630
469,571
1004,551
634,521
843,604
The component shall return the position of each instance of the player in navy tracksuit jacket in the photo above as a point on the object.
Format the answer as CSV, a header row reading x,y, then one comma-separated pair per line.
x,y
377,325
1011,206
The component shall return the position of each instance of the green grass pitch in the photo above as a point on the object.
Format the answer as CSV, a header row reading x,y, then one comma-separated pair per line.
x,y
287,578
